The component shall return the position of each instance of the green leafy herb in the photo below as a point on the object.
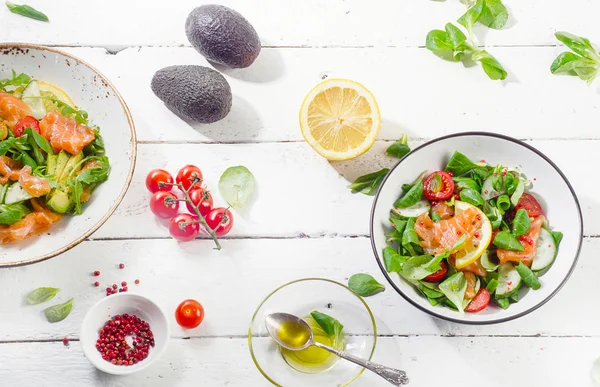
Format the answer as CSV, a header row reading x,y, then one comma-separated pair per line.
x,y
504,303
584,62
89,177
492,285
459,164
470,17
41,295
494,14
414,194
15,81
507,241
454,289
511,182
521,223
528,276
493,214
435,216
365,285
466,183
96,147
58,312
236,185
330,325
503,203
516,196
392,260
27,11
420,266
472,197
400,148
6,145
558,236
410,238
12,213
490,65
369,184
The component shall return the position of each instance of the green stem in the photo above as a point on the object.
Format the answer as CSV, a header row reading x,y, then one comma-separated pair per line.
x,y
201,220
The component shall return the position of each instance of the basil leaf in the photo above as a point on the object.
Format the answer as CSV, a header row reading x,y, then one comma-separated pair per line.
x,y
392,260
6,145
410,237
27,11
466,183
438,42
528,276
491,66
521,223
12,213
420,266
492,285
330,325
435,216
460,164
578,44
365,285
472,197
454,289
558,236
507,241
41,295
399,225
503,203
400,148
369,184
236,185
470,17
494,14
58,312
414,194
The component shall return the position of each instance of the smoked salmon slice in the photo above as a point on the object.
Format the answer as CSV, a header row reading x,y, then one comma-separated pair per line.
x,y
529,242
9,169
12,109
35,186
32,224
65,133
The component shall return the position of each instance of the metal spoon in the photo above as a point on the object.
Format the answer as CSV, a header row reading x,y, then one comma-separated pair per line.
x,y
304,338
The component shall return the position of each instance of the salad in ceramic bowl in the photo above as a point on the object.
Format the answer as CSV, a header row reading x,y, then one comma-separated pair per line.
x,y
475,237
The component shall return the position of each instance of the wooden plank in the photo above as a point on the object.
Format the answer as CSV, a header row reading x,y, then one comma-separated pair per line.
x,y
226,362
232,282
307,23
417,92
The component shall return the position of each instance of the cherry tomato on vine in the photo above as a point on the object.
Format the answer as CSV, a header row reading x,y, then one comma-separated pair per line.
x,y
184,227
438,275
24,123
157,176
220,220
187,175
202,199
189,314
438,186
164,204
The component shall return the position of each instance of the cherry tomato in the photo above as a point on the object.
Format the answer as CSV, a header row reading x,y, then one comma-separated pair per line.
x,y
157,176
529,204
202,199
438,275
438,186
189,314
164,204
184,233
479,302
220,220
187,175
24,123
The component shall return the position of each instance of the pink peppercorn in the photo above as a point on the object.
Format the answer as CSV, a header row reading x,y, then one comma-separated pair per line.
x,y
121,265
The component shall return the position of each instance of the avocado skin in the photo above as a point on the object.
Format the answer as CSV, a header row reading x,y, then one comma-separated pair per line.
x,y
197,93
222,36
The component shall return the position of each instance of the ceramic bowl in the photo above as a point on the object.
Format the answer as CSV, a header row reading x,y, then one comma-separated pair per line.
x,y
92,92
558,200
300,298
121,303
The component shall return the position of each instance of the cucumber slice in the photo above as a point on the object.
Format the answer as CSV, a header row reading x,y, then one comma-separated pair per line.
x,y
508,279
487,191
415,210
15,194
486,260
545,251
32,96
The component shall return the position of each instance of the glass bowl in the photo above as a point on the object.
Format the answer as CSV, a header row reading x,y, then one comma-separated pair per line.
x,y
300,298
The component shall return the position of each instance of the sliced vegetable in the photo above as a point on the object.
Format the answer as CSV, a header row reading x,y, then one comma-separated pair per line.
x,y
420,207
489,261
545,251
438,185
508,279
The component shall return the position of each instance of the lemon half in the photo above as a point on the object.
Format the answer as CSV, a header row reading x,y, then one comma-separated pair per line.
x,y
471,252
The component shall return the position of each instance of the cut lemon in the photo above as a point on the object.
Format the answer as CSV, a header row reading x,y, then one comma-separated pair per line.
x,y
340,119
58,93
470,251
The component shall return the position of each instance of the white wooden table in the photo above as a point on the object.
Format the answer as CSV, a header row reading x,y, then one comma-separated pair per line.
x,y
303,212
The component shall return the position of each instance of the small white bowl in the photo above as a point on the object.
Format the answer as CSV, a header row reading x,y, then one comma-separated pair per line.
x,y
122,303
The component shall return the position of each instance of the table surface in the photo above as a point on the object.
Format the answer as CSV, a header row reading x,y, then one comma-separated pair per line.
x,y
303,213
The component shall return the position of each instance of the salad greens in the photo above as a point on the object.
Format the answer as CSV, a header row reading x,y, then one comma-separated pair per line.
x,y
236,185
583,62
400,148
330,325
365,285
41,295
58,312
27,11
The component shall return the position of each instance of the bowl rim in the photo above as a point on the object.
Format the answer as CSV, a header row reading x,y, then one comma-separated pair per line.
x,y
255,361
111,210
431,310
111,368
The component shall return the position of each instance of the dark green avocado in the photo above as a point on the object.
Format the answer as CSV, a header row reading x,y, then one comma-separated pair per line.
x,y
194,92
222,35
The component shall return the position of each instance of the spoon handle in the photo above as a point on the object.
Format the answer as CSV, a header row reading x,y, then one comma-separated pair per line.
x,y
392,375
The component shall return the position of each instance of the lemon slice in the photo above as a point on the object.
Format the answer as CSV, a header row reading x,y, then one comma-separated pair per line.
x,y
58,93
471,251
340,119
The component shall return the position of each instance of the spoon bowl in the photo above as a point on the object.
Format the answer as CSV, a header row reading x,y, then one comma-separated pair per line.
x,y
300,335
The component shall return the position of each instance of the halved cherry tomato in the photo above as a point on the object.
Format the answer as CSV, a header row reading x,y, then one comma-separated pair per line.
x,y
157,176
164,204
220,220
479,302
184,227
187,175
529,204
189,314
24,123
438,275
202,199
438,186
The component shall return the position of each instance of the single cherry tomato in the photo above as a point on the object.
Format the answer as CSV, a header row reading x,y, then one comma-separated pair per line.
x,y
479,302
438,186
184,227
202,199
24,123
220,220
189,314
529,203
164,204
438,275
157,176
187,175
